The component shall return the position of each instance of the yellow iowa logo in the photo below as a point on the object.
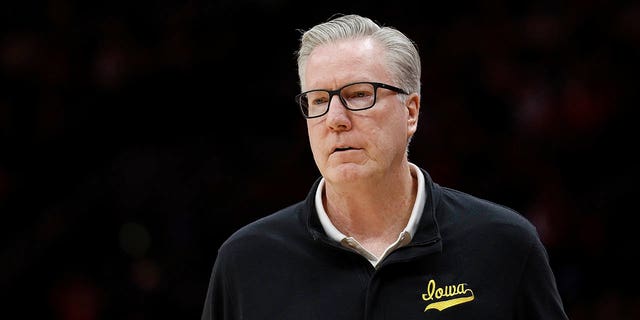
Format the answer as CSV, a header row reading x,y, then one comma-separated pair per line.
x,y
447,296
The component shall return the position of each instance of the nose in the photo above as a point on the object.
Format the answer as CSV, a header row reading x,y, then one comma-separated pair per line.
x,y
338,116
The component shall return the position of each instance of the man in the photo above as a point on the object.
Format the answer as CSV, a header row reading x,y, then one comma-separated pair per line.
x,y
376,238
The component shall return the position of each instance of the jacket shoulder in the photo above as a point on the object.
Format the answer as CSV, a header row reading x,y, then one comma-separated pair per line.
x,y
461,208
272,227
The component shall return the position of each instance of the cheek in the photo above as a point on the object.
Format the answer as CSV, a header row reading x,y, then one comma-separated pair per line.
x,y
312,134
391,136
315,142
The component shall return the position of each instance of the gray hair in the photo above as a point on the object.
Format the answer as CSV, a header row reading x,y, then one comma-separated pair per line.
x,y
402,54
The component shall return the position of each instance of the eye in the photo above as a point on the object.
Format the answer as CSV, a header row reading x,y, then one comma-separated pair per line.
x,y
318,101
317,98
358,94
358,91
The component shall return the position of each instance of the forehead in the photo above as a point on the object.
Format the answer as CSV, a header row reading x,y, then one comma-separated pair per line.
x,y
335,64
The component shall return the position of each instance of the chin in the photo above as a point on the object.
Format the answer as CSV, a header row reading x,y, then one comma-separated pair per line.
x,y
345,173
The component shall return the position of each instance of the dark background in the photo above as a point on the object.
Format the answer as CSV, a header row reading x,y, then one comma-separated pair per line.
x,y
136,136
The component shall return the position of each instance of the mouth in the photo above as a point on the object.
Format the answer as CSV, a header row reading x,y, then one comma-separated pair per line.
x,y
340,149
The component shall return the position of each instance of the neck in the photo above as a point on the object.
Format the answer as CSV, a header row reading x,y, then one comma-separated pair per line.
x,y
374,212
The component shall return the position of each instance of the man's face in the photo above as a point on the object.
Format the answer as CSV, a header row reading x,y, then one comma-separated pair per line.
x,y
351,146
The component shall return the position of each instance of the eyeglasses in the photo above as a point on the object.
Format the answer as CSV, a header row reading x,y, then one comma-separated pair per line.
x,y
354,96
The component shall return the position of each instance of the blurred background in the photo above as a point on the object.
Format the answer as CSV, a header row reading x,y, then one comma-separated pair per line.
x,y
136,136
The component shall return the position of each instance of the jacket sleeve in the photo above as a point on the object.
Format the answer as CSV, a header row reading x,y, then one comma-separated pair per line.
x,y
218,303
539,297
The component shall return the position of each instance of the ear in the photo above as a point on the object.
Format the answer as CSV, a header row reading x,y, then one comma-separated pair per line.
x,y
413,106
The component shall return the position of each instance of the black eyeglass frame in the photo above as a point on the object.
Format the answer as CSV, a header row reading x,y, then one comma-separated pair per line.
x,y
336,92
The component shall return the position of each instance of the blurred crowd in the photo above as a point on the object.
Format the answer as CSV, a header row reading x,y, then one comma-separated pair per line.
x,y
137,136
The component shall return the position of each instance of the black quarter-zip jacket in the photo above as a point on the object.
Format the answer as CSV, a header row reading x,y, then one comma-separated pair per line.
x,y
469,259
